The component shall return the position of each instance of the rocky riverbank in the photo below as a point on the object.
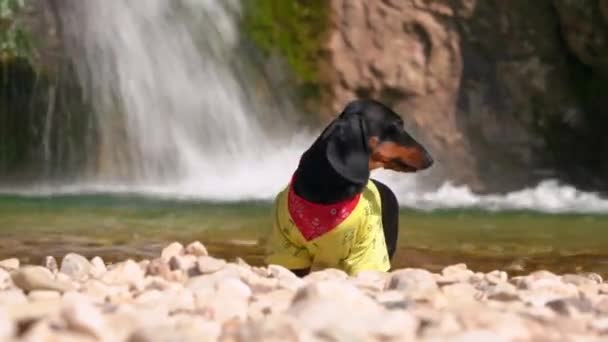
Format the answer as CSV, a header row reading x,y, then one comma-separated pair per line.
x,y
187,295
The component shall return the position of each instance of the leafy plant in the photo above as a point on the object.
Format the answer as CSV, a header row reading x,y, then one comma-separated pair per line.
x,y
14,41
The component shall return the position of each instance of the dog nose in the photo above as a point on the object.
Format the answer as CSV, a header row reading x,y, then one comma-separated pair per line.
x,y
428,160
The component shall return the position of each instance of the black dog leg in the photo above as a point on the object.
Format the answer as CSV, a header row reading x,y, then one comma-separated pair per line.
x,y
390,216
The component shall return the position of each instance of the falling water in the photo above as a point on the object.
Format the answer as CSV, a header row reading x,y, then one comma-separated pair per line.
x,y
173,100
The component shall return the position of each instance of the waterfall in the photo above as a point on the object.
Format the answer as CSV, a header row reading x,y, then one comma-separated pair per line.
x,y
174,101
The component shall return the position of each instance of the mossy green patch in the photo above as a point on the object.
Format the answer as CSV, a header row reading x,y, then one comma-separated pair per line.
x,y
14,40
295,29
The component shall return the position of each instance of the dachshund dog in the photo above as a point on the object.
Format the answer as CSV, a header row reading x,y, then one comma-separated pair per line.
x,y
331,214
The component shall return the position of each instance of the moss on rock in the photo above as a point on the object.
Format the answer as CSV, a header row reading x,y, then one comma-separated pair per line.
x,y
294,29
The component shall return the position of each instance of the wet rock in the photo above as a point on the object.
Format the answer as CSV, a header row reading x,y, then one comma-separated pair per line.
x,y
174,249
75,265
10,264
197,249
51,263
31,278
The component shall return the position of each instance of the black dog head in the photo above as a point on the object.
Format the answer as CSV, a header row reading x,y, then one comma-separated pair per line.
x,y
369,135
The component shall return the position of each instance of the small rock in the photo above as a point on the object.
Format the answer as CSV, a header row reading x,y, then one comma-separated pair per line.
x,y
579,280
460,292
51,263
503,292
158,267
325,274
594,276
174,249
31,278
98,267
10,264
5,280
186,263
600,325
81,316
197,249
234,287
33,310
371,280
207,264
566,306
230,300
417,283
7,326
76,266
265,304
12,296
394,300
454,274
43,295
496,277
127,272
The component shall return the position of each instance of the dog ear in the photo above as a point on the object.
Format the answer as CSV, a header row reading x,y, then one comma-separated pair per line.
x,y
347,149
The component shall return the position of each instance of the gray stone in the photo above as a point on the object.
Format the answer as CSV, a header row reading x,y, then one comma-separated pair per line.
x,y
75,265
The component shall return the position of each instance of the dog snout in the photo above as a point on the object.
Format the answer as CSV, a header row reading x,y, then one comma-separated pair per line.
x,y
427,160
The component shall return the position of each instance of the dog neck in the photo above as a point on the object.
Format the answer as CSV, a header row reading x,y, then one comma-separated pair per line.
x,y
317,181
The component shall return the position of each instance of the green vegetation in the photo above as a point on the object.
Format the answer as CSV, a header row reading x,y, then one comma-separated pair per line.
x,y
14,41
294,29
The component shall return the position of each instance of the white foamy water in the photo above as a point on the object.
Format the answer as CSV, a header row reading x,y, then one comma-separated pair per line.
x,y
178,118
262,178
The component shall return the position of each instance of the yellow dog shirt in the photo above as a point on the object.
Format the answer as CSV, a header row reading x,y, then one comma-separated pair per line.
x,y
354,245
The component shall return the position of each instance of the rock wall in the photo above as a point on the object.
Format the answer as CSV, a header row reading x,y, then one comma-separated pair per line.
x,y
491,86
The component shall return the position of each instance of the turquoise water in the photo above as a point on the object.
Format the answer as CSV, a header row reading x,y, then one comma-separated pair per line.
x,y
117,227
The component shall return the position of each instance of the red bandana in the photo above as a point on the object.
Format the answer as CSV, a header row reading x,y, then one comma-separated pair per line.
x,y
314,220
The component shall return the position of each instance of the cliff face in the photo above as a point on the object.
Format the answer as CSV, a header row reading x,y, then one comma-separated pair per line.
x,y
493,87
